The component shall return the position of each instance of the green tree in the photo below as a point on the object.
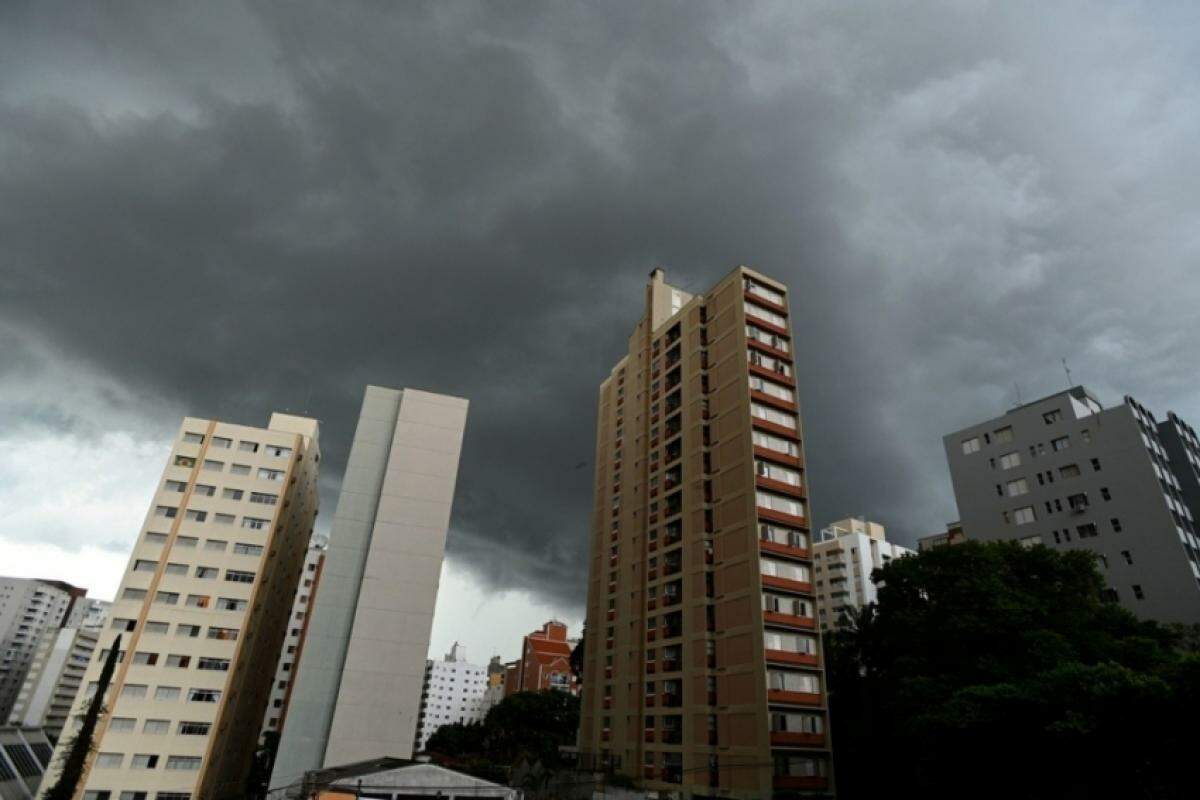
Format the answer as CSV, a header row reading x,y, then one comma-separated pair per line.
x,y
992,670
81,744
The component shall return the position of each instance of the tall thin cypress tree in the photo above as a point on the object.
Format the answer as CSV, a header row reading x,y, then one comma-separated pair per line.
x,y
81,744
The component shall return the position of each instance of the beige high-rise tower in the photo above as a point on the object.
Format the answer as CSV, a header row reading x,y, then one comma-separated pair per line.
x,y
202,612
703,672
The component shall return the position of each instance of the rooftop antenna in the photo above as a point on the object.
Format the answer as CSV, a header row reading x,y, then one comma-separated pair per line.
x,y
1067,370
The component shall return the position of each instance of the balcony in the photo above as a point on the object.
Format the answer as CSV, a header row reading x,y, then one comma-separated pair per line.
x,y
787,584
672,736
787,657
796,739
793,698
789,620
769,546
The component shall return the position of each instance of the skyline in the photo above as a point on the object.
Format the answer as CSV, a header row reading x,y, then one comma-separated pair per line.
x,y
955,210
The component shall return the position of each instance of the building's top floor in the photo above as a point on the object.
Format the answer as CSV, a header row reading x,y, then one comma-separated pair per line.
x,y
852,525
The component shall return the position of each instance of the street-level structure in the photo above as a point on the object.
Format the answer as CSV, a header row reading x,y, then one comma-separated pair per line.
x,y
201,608
358,691
1067,473
845,554
703,672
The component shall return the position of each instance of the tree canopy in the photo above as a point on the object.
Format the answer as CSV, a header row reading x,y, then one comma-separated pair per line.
x,y
996,670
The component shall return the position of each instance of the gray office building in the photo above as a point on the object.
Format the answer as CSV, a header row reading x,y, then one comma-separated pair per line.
x,y
358,691
1067,473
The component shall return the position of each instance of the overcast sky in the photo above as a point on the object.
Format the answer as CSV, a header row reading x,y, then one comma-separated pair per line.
x,y
224,209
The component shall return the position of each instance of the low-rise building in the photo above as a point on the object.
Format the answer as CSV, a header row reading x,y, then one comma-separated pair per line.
x,y
845,554
954,534
545,662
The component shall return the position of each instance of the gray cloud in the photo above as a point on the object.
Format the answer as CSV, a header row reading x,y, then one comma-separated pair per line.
x,y
261,206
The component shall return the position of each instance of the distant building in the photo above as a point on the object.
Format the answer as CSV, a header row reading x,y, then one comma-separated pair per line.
x,y
54,677
293,645
87,612
29,607
545,662
453,692
496,673
1066,473
845,555
953,534
25,755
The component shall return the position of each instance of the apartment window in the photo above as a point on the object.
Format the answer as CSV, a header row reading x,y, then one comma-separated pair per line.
x,y
1018,487
1087,531
255,523
166,511
109,760
121,724
204,490
239,576
232,494
144,658
970,445
265,474
1128,556
134,690
771,388
243,549
185,461
1138,593
130,795
183,762
279,451
1069,471
777,473
1116,525
155,538
1030,541
780,503
1086,435
196,516
166,598
221,442
207,573
224,519
178,661
1078,502
785,681
777,443
1061,443
785,569
144,565
228,634
186,631
204,695
264,498
796,722
143,761
194,728
211,465
176,569
247,447
216,545
1051,417
172,796
1024,515
789,642
1095,465
1105,494
194,438
1010,460
216,664
166,693
176,486
97,794
239,469
1003,436
184,542
773,416
231,604
154,627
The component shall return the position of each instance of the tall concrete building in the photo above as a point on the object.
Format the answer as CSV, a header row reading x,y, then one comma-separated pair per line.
x,y
703,672
293,644
29,609
453,693
358,691
202,607
1067,473
53,680
845,554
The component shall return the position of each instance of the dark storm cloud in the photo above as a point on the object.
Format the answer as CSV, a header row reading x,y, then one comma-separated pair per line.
x,y
245,208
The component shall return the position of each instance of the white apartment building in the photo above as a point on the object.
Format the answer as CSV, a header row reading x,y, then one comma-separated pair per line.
x,y
53,680
285,672
453,692
202,607
844,555
28,608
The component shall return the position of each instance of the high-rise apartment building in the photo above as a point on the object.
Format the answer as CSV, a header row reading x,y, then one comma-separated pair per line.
x,y
845,554
201,609
358,690
1067,473
293,644
53,680
703,670
453,693
29,609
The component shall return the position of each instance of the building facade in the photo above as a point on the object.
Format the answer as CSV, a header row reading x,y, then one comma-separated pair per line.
x,y
1067,473
358,691
453,692
29,609
25,755
545,662
202,606
845,554
293,643
703,672
951,536
53,680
